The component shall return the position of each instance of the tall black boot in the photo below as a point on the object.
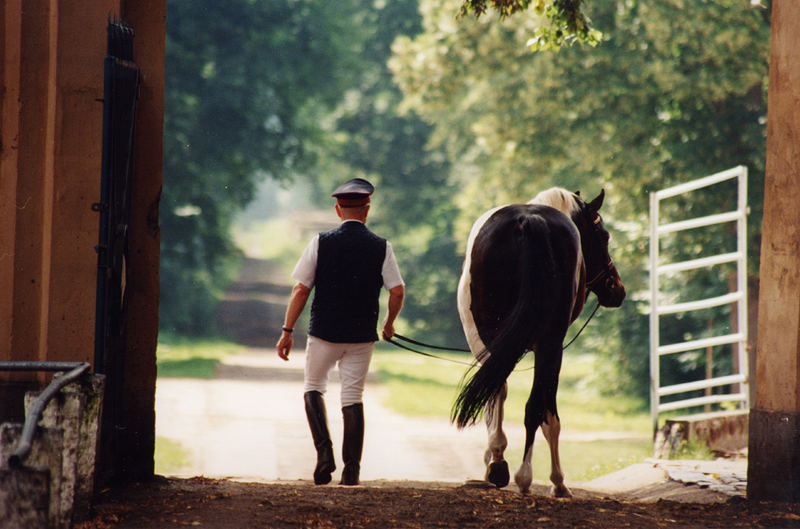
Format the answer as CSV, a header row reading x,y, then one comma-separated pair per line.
x,y
318,422
353,442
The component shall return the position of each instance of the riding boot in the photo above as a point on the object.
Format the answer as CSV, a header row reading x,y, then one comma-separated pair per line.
x,y
318,422
353,442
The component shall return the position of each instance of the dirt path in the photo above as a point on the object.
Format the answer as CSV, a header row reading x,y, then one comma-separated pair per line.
x,y
225,504
249,423
252,309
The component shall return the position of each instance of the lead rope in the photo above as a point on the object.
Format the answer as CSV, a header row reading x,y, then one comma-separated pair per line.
x,y
423,353
462,350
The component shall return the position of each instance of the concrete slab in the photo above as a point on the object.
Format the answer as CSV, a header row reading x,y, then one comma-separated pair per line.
x,y
633,477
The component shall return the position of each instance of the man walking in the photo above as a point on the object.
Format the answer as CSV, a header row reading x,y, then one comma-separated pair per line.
x,y
347,266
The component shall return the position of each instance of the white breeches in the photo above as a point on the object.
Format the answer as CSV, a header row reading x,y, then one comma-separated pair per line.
x,y
353,360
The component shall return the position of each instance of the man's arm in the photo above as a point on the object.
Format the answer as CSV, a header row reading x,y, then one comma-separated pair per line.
x,y
297,301
396,295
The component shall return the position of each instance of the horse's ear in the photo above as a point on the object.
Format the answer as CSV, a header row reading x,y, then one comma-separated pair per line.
x,y
597,203
578,192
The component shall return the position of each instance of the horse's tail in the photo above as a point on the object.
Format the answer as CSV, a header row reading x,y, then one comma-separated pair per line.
x,y
520,329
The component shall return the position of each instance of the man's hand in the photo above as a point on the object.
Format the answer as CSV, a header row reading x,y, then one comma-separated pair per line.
x,y
388,330
284,345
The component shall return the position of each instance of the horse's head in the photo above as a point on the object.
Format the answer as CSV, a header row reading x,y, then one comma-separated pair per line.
x,y
602,277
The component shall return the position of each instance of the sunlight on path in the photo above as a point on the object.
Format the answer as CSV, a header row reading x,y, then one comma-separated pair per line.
x,y
249,423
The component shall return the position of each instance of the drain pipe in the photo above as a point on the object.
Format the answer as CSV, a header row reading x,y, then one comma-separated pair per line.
x,y
74,370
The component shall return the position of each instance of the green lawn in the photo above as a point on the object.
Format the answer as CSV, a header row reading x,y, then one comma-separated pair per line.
x,y
423,386
192,358
170,456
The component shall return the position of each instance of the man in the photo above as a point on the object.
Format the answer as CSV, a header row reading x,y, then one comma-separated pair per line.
x,y
347,265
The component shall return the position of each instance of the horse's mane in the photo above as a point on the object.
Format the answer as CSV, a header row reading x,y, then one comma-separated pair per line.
x,y
559,198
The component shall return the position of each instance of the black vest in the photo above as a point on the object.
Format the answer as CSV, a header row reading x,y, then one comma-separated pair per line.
x,y
347,284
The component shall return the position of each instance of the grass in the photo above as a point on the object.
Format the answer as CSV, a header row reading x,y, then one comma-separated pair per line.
x,y
170,456
422,386
584,460
192,358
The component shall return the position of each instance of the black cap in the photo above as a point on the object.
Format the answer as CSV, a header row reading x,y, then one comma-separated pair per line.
x,y
353,193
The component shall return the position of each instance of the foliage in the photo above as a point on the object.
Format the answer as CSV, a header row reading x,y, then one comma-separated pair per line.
x,y
239,78
565,22
675,91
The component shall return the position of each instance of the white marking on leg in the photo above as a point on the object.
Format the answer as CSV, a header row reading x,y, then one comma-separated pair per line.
x,y
524,475
494,425
551,429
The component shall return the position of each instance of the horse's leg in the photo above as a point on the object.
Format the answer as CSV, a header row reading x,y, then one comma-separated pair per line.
x,y
524,475
551,429
541,400
496,466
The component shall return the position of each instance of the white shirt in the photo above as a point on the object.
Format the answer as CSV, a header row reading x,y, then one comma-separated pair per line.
x,y
306,268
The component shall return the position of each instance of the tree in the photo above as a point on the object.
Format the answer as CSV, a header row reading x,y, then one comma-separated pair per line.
x,y
566,23
241,77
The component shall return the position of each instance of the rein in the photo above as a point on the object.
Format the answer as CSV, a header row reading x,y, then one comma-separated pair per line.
x,y
423,353
462,350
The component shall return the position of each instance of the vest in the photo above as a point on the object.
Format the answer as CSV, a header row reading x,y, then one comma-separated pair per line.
x,y
347,284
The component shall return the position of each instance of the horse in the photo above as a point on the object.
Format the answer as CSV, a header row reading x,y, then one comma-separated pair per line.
x,y
527,272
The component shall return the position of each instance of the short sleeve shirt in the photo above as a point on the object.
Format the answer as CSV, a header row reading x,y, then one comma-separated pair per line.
x,y
306,268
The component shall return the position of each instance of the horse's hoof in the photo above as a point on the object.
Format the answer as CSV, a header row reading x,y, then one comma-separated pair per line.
x,y
561,491
497,473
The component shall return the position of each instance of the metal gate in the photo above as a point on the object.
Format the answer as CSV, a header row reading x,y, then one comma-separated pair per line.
x,y
121,90
739,379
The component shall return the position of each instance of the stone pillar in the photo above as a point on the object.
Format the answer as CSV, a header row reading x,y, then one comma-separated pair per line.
x,y
774,445
45,455
76,410
63,413
24,495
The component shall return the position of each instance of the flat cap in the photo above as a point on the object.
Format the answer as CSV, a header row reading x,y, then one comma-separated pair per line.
x,y
353,193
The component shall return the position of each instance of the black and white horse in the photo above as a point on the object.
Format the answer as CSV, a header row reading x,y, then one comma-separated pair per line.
x,y
527,273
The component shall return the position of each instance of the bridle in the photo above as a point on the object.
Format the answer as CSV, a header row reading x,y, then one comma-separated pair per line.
x,y
605,273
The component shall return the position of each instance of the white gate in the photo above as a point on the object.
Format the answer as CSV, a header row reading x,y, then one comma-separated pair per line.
x,y
738,380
